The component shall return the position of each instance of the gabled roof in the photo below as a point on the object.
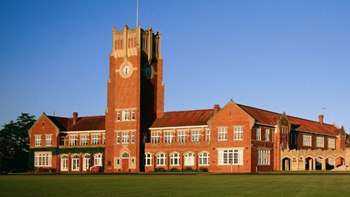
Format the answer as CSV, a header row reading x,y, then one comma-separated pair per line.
x,y
184,118
87,123
201,117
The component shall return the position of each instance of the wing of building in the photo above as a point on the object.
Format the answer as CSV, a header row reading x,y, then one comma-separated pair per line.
x,y
137,135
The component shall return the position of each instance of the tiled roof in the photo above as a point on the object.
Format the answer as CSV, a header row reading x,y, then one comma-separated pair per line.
x,y
184,118
268,117
83,123
201,117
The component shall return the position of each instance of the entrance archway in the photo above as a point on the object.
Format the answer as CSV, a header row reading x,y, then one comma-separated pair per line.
x,y
286,164
309,163
125,161
330,163
319,163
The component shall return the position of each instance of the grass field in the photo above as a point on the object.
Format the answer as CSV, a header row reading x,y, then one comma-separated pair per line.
x,y
175,185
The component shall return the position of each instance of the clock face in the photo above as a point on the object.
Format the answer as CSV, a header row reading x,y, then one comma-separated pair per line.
x,y
148,72
126,70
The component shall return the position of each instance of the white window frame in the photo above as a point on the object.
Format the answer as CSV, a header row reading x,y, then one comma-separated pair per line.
x,y
230,157
73,140
258,134
181,136
103,138
64,163
222,133
189,159
148,159
125,137
86,162
95,139
267,135
126,115
83,140
196,135
161,159
175,159
204,159
75,163
307,140
331,143
168,137
238,133
133,115
48,139
37,140
263,157
320,142
207,135
118,115
98,159
118,137
155,137
42,159
132,137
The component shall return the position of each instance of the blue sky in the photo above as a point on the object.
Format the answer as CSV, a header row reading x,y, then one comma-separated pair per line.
x,y
291,56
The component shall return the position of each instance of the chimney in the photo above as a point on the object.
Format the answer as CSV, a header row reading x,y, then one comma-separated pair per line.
x,y
75,117
320,118
216,108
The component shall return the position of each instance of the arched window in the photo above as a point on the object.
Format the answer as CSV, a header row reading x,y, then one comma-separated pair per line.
x,y
161,159
189,159
64,163
175,159
98,159
86,162
204,159
148,159
125,155
75,163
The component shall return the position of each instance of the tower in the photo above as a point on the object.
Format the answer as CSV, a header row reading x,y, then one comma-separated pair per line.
x,y
135,97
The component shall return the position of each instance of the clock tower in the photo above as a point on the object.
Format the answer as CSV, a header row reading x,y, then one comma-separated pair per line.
x,y
135,97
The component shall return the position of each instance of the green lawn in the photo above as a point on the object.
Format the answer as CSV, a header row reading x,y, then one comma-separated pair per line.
x,y
174,185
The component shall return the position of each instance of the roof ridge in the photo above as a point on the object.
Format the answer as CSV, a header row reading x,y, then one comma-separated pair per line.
x,y
188,110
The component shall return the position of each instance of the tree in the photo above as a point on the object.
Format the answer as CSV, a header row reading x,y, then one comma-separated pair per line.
x,y
14,143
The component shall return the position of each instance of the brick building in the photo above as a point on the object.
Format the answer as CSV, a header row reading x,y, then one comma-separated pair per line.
x,y
137,135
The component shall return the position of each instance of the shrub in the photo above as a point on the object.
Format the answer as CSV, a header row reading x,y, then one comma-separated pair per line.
x,y
187,169
203,170
174,170
159,170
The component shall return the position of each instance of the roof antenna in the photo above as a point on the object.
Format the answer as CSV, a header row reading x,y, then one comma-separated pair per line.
x,y
137,13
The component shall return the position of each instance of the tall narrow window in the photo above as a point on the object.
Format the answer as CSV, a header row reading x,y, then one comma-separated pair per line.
x,y
75,163
118,137
237,133
258,133
103,139
48,140
207,135
64,163
125,137
175,159
98,160
196,136
222,134
132,137
148,159
133,115
161,159
189,159
126,115
181,136
118,115
155,137
37,140
331,143
267,135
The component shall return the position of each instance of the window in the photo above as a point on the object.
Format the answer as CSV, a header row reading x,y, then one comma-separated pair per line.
x,y
126,115
64,163
63,140
83,139
132,137
98,160
207,135
320,142
175,159
37,140
306,140
132,162
204,159
133,115
168,137
263,157
72,140
117,161
230,157
181,136
103,139
267,135
75,163
86,162
331,143
161,159
95,139
125,137
196,136
118,115
48,140
155,137
238,133
222,133
258,133
148,159
118,137
43,159
189,159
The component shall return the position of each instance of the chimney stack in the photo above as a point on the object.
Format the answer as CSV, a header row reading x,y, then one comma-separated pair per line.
x,y
216,108
75,117
320,118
